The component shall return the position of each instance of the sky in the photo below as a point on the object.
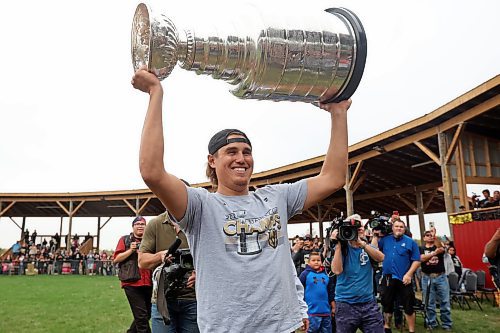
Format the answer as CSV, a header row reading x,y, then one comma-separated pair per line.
x,y
70,120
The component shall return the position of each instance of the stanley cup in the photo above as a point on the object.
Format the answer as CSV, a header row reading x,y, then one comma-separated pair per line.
x,y
321,59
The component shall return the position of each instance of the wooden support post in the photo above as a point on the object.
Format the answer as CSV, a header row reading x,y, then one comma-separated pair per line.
x,y
310,228
348,194
68,241
60,233
446,177
98,233
420,212
407,218
137,206
320,222
23,226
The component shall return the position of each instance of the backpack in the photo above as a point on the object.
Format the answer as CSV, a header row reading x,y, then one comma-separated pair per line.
x,y
129,268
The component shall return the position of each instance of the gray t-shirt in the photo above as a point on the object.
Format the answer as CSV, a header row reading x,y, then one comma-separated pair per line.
x,y
245,278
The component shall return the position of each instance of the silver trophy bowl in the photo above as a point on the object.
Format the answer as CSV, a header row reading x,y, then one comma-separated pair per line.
x,y
320,61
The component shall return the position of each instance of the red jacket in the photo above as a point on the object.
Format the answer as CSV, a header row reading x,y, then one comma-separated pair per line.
x,y
145,273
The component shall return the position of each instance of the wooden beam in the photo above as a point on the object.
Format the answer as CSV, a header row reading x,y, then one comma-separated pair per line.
x,y
77,208
312,215
106,222
453,144
63,208
430,198
130,206
472,158
427,152
483,180
143,206
360,181
420,213
355,174
487,157
445,174
7,208
15,223
452,122
407,202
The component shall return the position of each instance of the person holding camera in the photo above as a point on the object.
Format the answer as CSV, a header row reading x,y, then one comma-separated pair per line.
x,y
135,281
401,260
160,234
434,280
355,304
246,281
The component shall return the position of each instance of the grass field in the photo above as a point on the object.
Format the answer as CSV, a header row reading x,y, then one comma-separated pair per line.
x,y
97,304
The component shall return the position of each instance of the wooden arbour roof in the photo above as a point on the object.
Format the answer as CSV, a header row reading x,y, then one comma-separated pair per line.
x,y
388,171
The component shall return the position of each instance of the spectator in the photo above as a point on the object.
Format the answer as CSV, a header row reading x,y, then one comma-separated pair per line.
x,y
243,231
33,237
139,290
57,240
16,249
90,261
26,236
318,294
299,254
401,260
181,304
487,198
355,304
434,280
455,261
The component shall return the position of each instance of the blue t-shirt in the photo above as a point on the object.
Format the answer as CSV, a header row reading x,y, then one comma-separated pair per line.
x,y
399,254
317,290
355,284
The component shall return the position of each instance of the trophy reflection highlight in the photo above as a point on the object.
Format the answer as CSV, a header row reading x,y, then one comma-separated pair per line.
x,y
321,60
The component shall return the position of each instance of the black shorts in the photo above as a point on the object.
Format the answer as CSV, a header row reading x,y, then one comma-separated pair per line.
x,y
389,288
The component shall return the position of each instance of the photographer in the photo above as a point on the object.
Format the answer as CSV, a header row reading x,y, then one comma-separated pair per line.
x,y
402,258
160,233
300,253
355,304
135,282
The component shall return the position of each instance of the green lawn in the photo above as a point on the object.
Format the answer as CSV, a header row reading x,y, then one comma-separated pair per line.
x,y
62,304
97,304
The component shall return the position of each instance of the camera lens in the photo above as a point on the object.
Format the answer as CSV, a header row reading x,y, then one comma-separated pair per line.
x,y
348,233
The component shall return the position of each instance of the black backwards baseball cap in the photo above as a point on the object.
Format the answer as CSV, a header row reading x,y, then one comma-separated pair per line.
x,y
220,139
137,219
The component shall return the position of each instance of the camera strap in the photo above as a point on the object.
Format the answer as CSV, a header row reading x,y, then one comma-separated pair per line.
x,y
161,300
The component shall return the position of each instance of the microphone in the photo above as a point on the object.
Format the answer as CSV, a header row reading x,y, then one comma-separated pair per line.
x,y
175,245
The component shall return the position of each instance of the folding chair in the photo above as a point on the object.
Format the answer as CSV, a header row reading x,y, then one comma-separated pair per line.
x,y
481,281
471,288
455,294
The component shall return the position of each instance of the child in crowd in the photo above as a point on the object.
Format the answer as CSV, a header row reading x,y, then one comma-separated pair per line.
x,y
318,294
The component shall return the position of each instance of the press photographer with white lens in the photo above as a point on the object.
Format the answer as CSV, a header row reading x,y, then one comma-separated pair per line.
x,y
355,304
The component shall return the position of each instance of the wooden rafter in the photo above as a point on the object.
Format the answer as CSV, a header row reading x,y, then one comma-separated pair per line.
x,y
312,214
63,208
453,144
7,208
77,207
143,205
407,202
462,117
132,208
430,198
359,182
355,174
427,152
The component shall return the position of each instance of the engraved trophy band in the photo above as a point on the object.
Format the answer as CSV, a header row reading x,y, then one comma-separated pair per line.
x,y
324,62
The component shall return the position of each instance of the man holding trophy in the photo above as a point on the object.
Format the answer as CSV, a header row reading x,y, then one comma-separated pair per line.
x,y
246,281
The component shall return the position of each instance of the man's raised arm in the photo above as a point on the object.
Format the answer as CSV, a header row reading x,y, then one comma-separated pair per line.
x,y
333,172
168,188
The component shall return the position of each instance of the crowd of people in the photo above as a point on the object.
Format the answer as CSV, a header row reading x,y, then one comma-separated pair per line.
x,y
488,200
49,258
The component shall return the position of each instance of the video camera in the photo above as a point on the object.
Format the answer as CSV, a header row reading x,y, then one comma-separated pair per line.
x,y
177,273
347,229
380,222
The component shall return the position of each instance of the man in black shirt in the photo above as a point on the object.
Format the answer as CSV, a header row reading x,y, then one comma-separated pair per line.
x,y
434,280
